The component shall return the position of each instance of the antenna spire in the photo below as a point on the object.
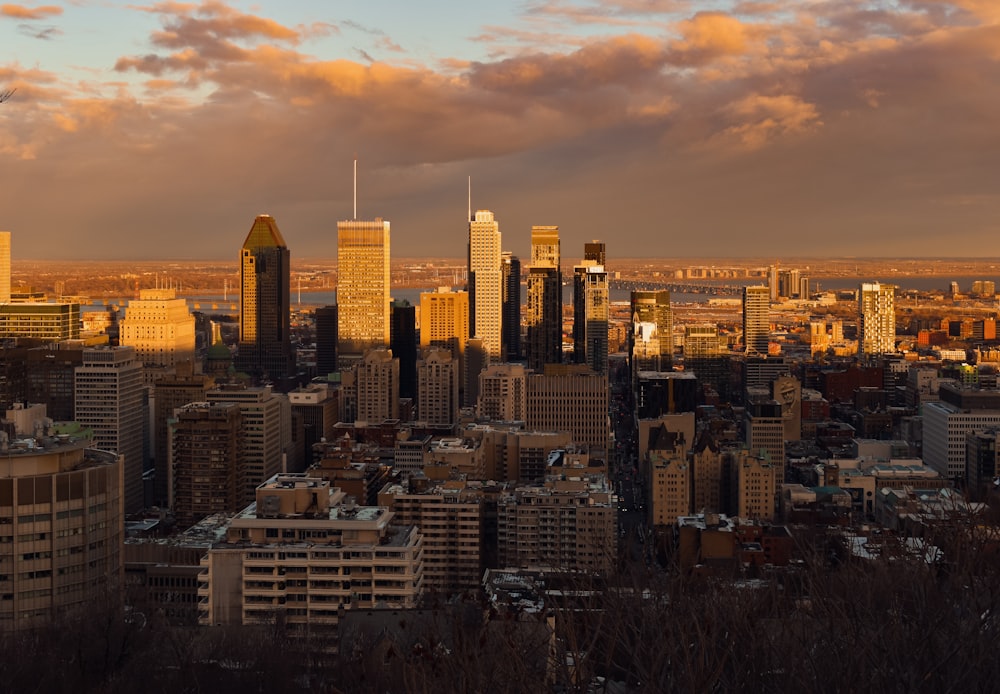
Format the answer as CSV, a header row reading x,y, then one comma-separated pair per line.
x,y
470,198
355,186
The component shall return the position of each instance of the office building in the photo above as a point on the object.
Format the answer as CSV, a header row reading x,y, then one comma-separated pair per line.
x,y
486,283
444,322
756,320
326,340
42,375
651,339
61,539
543,312
437,398
267,434
49,322
477,360
363,303
160,327
765,436
109,399
4,267
265,348
403,344
590,314
946,428
876,319
570,398
206,461
301,554
511,323
666,392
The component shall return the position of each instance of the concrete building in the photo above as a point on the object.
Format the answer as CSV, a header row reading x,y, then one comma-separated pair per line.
x,y
160,327
49,322
267,434
377,383
61,540
450,516
765,436
206,461
586,420
169,393
756,319
362,287
265,348
876,318
569,523
486,283
109,399
669,480
754,487
503,393
317,406
983,463
302,553
945,430
437,390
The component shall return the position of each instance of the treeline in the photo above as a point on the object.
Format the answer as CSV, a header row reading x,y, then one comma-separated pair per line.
x,y
893,623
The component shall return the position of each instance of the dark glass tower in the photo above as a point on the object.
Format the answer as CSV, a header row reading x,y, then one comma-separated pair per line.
x,y
511,324
326,340
265,350
403,343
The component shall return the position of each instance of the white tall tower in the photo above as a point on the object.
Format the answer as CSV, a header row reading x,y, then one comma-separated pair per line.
x,y
486,282
160,327
876,318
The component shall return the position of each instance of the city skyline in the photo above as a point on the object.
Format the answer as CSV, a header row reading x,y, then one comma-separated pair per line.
x,y
758,128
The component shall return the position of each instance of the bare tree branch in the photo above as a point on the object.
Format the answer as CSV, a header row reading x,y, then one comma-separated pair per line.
x,y
6,94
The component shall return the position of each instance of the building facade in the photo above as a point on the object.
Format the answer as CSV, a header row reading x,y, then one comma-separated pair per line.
x,y
160,327
486,282
756,319
876,318
363,302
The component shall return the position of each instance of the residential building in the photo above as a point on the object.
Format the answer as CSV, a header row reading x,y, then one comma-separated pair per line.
x,y
876,319
377,383
437,377
503,393
756,319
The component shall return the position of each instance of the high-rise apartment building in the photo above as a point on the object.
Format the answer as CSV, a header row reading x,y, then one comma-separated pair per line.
x,y
267,434
503,393
206,460
363,302
486,282
160,327
756,319
169,393
876,318
108,398
377,383
437,377
511,324
265,349
651,339
543,313
62,535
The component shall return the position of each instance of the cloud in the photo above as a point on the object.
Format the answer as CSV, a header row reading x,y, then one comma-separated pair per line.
x,y
29,13
759,118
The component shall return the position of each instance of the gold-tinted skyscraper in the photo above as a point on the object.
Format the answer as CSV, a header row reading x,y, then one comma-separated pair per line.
x,y
486,282
543,314
363,303
265,349
4,267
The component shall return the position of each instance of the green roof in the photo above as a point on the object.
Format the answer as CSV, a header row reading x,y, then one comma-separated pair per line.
x,y
264,234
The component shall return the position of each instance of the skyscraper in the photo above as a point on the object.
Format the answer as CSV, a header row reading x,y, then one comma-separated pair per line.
x,y
876,318
377,381
444,322
486,282
651,339
511,324
108,398
326,340
403,343
363,303
590,315
543,314
756,319
4,267
437,375
265,349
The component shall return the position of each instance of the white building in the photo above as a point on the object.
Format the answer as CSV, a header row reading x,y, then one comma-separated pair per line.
x,y
486,282
160,327
945,431
876,318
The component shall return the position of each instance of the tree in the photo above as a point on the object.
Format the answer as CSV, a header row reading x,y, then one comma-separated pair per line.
x,y
6,94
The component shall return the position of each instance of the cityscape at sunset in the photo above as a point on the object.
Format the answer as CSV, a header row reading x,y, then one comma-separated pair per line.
x,y
570,346
719,127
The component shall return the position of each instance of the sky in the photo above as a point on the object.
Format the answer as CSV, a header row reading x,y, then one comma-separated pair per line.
x,y
666,128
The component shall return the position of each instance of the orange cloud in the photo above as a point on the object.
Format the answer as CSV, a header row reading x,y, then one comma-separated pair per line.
x,y
29,13
762,118
707,36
